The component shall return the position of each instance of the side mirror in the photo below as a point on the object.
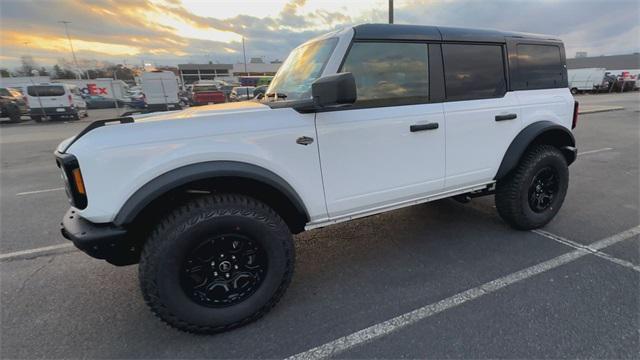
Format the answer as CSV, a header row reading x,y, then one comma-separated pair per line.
x,y
334,90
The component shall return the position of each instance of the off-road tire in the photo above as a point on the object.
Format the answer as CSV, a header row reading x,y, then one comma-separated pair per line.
x,y
512,192
174,236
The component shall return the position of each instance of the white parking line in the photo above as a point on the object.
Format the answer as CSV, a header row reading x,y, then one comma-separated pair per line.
x,y
594,151
38,191
587,248
34,252
387,327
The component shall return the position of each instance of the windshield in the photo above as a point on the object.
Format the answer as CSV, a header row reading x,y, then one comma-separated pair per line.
x,y
45,90
302,67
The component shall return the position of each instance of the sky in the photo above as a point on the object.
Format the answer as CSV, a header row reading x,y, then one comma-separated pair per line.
x,y
169,32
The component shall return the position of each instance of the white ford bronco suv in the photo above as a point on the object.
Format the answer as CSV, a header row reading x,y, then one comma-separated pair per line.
x,y
356,122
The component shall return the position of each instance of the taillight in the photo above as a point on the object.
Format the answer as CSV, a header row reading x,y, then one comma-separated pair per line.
x,y
574,123
70,100
26,100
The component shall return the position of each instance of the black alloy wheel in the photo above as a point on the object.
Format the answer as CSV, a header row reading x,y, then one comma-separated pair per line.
x,y
224,270
543,189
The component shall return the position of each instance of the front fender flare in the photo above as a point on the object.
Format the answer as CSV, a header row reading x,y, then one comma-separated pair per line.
x,y
200,171
558,135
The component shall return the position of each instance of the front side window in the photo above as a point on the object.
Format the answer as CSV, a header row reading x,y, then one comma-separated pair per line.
x,y
473,71
303,66
389,73
540,66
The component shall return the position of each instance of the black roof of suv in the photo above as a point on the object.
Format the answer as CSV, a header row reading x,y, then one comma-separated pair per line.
x,y
438,33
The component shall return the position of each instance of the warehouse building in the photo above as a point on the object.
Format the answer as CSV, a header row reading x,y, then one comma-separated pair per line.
x,y
190,73
628,61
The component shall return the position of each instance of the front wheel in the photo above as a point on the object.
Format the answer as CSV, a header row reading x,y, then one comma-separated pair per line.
x,y
216,263
532,194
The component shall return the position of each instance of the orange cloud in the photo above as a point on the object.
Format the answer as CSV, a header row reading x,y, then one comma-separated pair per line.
x,y
56,43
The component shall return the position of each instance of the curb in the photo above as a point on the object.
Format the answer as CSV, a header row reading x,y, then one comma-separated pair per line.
x,y
601,109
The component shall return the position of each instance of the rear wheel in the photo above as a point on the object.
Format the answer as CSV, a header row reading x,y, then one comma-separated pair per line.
x,y
574,91
532,194
36,118
216,263
13,112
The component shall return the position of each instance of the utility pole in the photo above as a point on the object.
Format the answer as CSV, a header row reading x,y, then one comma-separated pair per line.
x,y
390,11
73,53
244,53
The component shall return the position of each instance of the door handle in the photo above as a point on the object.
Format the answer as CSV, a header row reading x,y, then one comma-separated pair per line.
x,y
506,117
423,127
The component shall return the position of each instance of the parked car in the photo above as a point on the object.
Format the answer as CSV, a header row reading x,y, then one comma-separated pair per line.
x,y
12,104
137,101
260,91
55,101
204,94
352,125
241,93
100,102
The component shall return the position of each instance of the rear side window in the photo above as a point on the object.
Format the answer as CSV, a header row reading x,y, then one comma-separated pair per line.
x,y
389,73
473,71
45,90
4,92
540,66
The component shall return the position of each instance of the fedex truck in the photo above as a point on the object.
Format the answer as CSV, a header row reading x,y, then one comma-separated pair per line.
x,y
103,87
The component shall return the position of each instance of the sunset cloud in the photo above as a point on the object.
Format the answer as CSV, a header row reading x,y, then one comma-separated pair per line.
x,y
178,31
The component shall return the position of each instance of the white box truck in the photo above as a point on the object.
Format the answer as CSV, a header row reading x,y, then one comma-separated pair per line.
x,y
160,89
589,79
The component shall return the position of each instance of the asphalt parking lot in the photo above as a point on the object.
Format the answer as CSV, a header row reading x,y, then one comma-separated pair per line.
x,y
438,280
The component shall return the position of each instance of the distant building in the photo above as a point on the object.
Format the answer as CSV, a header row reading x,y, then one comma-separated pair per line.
x,y
256,69
190,73
628,61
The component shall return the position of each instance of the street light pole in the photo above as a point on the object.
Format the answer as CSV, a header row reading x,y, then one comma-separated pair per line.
x,y
244,53
73,53
390,11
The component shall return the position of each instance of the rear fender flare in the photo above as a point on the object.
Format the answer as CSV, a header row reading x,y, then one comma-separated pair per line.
x,y
553,133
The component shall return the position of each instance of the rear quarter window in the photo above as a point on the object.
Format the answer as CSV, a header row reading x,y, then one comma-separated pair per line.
x,y
45,91
540,66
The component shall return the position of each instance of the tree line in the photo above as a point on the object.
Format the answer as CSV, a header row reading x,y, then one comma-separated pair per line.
x,y
28,65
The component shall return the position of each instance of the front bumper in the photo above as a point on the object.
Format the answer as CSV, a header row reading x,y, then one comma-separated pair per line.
x,y
101,241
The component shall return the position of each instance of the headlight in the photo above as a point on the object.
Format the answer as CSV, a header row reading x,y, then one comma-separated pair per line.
x,y
73,181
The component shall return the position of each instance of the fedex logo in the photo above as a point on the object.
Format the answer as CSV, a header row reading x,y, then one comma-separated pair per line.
x,y
93,89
